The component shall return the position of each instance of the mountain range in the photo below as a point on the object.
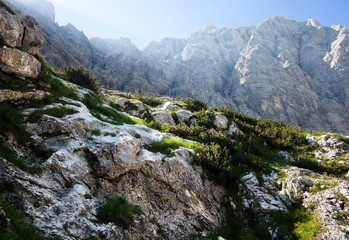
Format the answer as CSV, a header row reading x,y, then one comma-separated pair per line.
x,y
281,69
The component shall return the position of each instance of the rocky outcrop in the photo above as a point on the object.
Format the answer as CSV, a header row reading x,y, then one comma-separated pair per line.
x,y
14,96
11,29
85,169
33,39
259,196
221,122
184,115
163,117
19,33
22,64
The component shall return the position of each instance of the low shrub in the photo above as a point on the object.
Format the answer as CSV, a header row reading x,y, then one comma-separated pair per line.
x,y
167,144
151,101
59,112
96,132
118,211
195,105
82,77
94,103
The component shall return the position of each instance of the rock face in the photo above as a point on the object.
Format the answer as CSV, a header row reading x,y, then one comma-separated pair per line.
x,y
11,29
20,63
86,169
33,39
284,70
19,33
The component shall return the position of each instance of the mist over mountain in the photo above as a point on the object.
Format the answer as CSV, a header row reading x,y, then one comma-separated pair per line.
x,y
295,72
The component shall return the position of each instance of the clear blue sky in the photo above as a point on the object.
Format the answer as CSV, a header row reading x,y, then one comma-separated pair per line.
x,y
145,20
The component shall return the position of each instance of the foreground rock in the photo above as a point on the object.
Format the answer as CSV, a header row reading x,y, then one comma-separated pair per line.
x,y
85,169
22,64
19,33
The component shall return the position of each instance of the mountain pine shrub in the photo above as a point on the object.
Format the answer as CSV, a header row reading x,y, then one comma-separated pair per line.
x,y
82,77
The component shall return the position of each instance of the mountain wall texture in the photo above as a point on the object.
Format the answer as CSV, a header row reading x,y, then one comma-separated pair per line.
x,y
295,72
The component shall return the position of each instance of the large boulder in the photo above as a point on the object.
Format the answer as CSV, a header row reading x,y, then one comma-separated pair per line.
x,y
221,122
33,38
20,63
11,29
183,115
163,117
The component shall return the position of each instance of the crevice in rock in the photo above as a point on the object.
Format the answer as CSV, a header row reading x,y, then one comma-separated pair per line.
x,y
24,32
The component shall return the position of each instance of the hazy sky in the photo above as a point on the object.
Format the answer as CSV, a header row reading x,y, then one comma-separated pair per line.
x,y
145,20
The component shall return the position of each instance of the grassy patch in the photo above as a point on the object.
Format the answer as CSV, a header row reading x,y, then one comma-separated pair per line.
x,y
293,224
107,114
118,211
59,112
96,132
167,144
19,227
11,122
57,87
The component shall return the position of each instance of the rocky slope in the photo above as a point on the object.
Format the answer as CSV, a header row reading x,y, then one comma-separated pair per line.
x,y
285,70
195,172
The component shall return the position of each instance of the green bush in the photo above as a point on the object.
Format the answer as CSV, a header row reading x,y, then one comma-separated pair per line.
x,y
205,118
59,112
118,211
151,101
195,104
82,77
96,132
94,103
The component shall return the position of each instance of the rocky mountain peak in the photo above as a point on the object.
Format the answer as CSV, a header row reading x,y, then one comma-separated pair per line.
x,y
210,28
314,23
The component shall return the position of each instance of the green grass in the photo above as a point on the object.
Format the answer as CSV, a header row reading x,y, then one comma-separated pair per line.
x,y
94,103
96,132
20,226
59,112
118,211
293,224
167,144
10,122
